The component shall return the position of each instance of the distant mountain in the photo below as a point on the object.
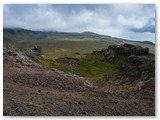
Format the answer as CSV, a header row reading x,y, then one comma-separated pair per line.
x,y
54,42
146,42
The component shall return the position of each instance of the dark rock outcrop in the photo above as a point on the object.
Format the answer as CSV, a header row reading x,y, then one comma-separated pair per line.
x,y
114,52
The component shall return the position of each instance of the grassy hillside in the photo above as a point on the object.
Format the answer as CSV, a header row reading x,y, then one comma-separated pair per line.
x,y
61,43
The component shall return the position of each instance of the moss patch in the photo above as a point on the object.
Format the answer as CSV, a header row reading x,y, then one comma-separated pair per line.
x,y
91,67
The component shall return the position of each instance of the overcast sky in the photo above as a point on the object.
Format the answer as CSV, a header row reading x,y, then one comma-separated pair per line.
x,y
129,21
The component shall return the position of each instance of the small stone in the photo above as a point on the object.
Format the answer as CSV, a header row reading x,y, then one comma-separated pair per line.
x,y
83,112
117,113
104,106
80,103
135,102
116,102
39,90
60,98
30,103
145,98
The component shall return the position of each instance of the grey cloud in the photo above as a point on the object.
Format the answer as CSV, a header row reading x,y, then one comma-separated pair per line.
x,y
150,29
110,19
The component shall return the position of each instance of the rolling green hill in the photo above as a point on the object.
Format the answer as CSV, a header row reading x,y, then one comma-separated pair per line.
x,y
63,43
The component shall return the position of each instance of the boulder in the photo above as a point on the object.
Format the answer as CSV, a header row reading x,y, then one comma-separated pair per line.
x,y
34,53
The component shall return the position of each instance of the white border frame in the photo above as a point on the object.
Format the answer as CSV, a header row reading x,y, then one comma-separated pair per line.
x,y
83,2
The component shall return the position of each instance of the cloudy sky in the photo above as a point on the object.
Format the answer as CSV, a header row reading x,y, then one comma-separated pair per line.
x,y
129,21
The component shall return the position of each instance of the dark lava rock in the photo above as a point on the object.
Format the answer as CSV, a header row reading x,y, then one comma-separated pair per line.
x,y
139,66
128,49
114,52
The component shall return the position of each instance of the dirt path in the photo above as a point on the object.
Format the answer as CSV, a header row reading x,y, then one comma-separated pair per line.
x,y
40,91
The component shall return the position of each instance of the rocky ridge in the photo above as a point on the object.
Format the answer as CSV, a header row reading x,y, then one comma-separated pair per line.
x,y
25,57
